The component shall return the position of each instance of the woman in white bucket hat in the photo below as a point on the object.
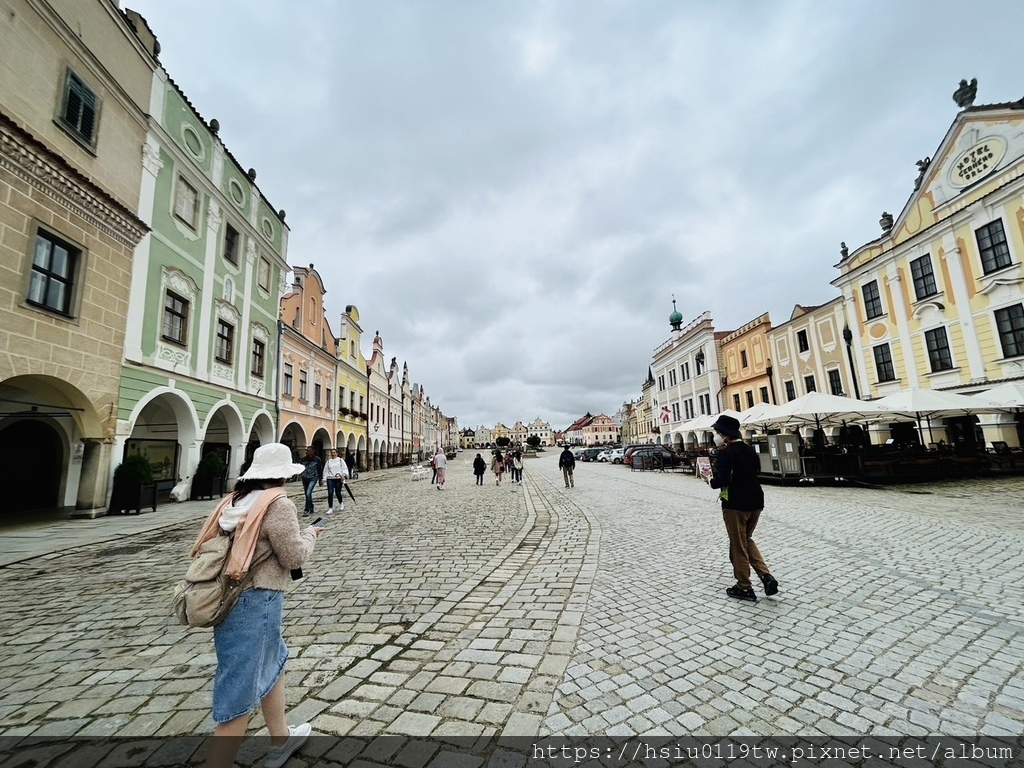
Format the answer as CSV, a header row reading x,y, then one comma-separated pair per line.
x,y
251,652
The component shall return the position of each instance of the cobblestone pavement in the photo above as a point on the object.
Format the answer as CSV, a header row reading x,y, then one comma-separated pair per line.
x,y
480,611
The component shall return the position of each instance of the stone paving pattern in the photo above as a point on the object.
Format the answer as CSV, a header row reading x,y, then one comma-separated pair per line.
x,y
482,611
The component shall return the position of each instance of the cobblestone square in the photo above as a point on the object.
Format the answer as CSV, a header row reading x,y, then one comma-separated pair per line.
x,y
540,610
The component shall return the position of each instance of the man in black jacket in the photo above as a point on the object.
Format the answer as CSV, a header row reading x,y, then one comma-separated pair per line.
x,y
567,462
742,502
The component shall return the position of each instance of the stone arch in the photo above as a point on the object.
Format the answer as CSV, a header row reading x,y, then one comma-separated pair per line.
x,y
224,433
294,437
164,427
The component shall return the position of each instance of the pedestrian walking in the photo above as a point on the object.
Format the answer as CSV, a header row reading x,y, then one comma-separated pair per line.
x,y
517,468
433,469
742,503
440,468
479,468
335,475
498,467
568,463
249,644
311,475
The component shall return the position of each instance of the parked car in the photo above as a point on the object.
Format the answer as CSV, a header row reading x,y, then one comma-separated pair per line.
x,y
667,457
603,455
615,455
588,454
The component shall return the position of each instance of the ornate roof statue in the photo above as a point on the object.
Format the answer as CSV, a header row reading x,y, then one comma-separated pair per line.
x,y
844,251
964,95
922,168
886,221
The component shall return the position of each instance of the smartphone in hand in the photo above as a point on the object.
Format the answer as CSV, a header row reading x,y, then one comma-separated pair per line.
x,y
319,523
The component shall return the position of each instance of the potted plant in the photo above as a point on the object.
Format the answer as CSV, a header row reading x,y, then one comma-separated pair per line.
x,y
133,486
210,476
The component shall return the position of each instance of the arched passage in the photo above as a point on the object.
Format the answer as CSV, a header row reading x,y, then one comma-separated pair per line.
x,y
32,464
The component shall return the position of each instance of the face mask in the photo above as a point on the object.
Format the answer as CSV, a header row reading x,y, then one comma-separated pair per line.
x,y
719,440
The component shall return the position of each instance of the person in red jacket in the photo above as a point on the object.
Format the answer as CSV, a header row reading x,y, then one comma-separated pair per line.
x,y
742,503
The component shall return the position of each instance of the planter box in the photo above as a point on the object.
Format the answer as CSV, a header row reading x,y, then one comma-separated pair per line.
x,y
132,498
208,487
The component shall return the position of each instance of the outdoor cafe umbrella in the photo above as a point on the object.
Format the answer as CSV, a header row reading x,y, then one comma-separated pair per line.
x,y
1004,396
820,408
761,415
929,403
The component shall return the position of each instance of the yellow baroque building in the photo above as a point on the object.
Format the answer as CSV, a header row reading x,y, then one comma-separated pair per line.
x,y
936,301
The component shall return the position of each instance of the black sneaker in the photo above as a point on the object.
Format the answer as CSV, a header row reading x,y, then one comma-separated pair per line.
x,y
742,594
771,586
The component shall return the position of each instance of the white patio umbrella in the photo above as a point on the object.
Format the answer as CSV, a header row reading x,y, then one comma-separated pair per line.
x,y
703,423
929,403
1008,395
821,408
761,415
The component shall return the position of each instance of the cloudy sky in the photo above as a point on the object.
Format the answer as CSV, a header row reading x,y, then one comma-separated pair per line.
x,y
512,192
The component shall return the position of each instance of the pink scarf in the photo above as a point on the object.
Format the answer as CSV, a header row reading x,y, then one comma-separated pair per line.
x,y
246,534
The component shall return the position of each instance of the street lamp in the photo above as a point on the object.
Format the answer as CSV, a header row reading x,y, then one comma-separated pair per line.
x,y
848,338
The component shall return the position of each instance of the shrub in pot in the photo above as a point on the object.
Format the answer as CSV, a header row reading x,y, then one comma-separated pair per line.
x,y
209,478
133,486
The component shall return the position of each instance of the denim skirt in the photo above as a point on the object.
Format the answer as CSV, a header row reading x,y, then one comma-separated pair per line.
x,y
250,653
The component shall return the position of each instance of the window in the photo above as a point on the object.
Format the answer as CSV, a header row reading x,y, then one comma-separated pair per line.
x,y
661,383
995,253
764,394
78,114
52,281
686,371
225,342
750,398
327,398
175,318
352,349
231,244
259,357
303,385
186,203
672,377
872,301
699,363
938,349
790,391
809,384
705,404
924,277
263,277
801,341
1010,325
743,358
835,382
316,394
288,371
675,411
736,402
883,363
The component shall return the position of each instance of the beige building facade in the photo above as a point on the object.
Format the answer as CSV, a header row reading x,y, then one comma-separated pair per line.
x,y
74,90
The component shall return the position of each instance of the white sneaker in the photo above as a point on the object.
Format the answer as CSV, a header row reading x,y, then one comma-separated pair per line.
x,y
278,756
342,507
330,510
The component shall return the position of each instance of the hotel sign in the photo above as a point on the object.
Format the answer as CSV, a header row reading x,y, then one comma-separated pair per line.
x,y
977,162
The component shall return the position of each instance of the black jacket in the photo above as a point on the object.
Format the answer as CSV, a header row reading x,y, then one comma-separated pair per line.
x,y
737,469
567,459
479,465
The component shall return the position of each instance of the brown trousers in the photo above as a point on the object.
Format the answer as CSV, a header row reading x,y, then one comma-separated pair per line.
x,y
743,552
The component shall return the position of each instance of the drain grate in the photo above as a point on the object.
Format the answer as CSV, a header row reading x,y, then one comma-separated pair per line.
x,y
132,549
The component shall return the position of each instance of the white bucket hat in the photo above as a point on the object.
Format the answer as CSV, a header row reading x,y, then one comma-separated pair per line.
x,y
272,462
